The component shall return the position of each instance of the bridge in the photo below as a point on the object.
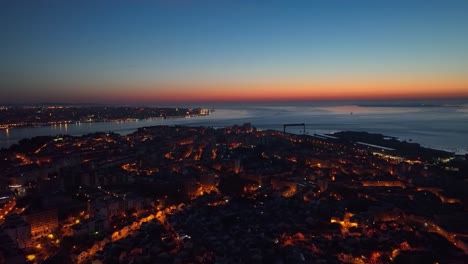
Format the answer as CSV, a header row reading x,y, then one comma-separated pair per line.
x,y
298,124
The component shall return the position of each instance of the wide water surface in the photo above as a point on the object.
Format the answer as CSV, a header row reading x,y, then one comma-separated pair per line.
x,y
437,125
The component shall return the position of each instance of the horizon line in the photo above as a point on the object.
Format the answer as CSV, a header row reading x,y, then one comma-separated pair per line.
x,y
249,101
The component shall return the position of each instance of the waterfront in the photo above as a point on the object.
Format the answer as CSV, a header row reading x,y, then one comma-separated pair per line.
x,y
441,125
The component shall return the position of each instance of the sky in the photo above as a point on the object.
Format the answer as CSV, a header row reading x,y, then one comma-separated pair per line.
x,y
200,50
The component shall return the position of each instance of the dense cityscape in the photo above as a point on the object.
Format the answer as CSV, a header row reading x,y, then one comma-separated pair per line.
x,y
233,132
178,194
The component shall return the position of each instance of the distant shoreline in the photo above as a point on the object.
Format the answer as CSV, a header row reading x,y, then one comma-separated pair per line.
x,y
26,116
5,127
437,128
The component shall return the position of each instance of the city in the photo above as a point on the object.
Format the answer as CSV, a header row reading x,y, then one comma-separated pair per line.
x,y
233,132
177,194
57,114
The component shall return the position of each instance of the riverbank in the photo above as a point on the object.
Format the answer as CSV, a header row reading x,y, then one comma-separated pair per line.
x,y
39,116
443,128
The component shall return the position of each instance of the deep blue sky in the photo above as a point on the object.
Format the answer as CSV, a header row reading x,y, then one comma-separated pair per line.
x,y
71,49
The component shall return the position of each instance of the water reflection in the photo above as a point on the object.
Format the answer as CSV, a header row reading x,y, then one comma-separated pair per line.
x,y
437,127
354,109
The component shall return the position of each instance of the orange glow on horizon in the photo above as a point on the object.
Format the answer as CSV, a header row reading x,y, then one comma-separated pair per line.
x,y
257,91
271,91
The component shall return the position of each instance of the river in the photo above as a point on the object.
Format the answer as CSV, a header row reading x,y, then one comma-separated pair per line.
x,y
435,124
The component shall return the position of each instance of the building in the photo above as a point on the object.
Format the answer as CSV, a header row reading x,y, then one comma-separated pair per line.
x,y
91,226
42,222
18,230
9,253
112,206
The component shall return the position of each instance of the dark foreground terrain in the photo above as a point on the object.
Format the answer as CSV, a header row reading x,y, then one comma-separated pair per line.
x,y
233,195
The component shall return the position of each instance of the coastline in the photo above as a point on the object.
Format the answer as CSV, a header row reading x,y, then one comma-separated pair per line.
x,y
6,143
123,120
332,135
436,128
40,116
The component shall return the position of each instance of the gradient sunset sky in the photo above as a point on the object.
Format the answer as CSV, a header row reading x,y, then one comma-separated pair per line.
x,y
197,50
